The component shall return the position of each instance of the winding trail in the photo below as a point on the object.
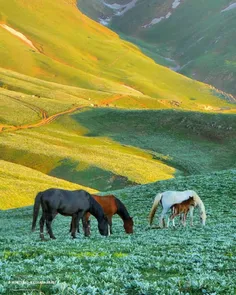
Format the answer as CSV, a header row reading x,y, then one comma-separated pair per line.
x,y
45,120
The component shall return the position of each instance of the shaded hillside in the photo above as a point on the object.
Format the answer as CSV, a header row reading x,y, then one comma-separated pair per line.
x,y
198,35
190,142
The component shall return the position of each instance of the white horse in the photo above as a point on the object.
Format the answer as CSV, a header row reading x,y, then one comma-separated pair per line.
x,y
170,198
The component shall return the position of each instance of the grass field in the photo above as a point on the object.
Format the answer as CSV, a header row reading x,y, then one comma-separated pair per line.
x,y
86,109
191,142
151,261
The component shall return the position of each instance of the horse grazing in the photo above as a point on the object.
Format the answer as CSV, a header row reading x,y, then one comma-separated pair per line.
x,y
68,203
183,209
111,205
169,198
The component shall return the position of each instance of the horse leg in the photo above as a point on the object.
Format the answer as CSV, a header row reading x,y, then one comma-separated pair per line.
x,y
191,215
109,218
168,221
173,222
184,218
86,225
71,225
49,218
162,220
172,217
75,221
42,220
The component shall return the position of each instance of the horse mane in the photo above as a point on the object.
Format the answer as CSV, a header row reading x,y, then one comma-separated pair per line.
x,y
95,208
121,209
199,203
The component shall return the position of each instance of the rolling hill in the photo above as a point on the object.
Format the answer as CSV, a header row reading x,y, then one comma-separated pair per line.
x,y
197,35
58,67
82,108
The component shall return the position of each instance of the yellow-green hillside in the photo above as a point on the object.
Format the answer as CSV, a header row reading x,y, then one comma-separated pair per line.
x,y
19,185
74,50
76,65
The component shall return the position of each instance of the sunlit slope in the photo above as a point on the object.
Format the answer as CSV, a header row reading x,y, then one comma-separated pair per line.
x,y
25,99
198,35
77,51
19,185
62,149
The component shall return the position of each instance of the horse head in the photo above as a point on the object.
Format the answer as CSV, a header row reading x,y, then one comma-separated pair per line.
x,y
128,225
192,201
103,226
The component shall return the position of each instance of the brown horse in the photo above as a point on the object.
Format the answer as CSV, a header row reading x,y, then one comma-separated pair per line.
x,y
182,208
111,205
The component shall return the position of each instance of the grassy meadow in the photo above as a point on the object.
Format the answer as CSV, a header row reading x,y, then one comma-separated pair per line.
x,y
191,260
86,109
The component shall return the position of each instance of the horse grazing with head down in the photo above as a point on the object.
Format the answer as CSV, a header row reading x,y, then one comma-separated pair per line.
x,y
111,205
183,209
68,203
169,198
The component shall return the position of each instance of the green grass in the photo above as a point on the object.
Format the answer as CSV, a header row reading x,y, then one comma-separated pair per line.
x,y
191,142
76,53
66,139
151,261
197,35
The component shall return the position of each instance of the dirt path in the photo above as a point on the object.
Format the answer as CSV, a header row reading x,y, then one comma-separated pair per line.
x,y
45,120
110,100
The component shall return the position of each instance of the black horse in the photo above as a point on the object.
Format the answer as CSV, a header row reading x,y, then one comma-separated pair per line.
x,y
68,203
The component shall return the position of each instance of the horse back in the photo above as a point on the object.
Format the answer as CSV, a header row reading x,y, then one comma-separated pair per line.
x,y
108,203
65,202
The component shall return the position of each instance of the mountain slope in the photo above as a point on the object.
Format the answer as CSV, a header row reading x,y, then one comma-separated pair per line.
x,y
80,52
198,35
73,63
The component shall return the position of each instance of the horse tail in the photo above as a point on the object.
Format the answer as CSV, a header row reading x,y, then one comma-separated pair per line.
x,y
154,207
36,209
201,206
